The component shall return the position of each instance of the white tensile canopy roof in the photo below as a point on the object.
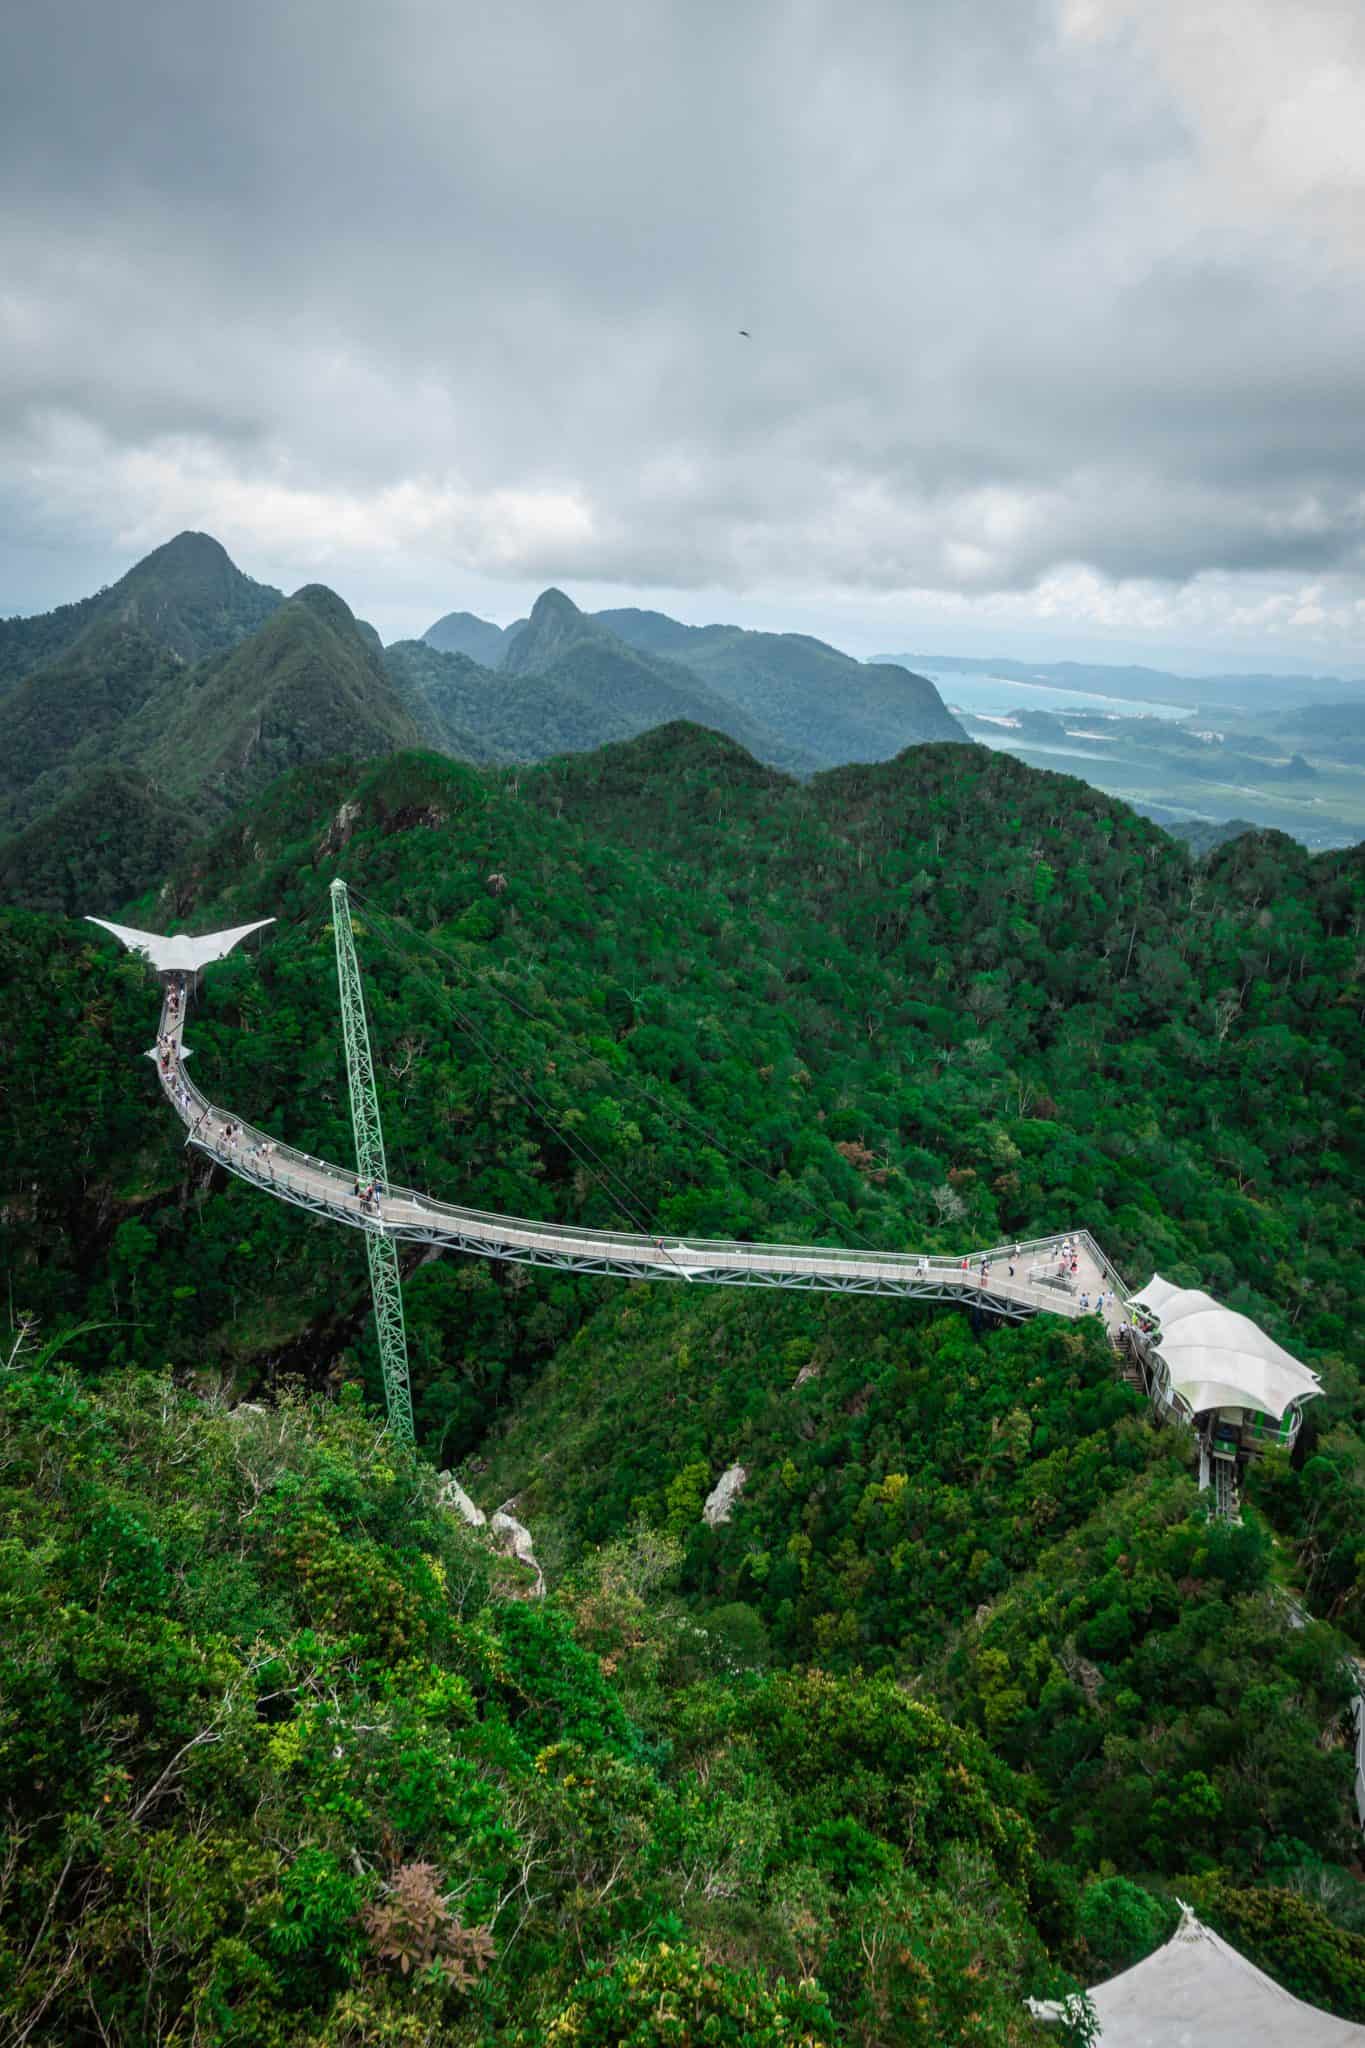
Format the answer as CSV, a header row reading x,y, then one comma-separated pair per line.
x,y
1197,1992
180,954
1218,1359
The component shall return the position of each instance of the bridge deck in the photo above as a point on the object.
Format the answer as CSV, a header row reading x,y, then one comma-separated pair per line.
x,y
1042,1279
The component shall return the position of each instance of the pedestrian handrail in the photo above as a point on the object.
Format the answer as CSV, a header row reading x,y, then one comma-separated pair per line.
x,y
402,1211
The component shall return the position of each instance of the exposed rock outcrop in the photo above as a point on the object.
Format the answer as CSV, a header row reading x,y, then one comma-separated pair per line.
x,y
720,1501
510,1537
453,1495
513,1539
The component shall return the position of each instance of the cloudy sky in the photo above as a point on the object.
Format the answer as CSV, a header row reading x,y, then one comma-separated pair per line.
x,y
1057,311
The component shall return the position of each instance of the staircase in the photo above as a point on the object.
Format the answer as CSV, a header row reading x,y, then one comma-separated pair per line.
x,y
1227,1507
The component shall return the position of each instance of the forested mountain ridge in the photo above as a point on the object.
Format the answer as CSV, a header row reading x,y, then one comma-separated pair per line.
x,y
834,707
482,716
187,596
191,738
115,832
78,676
565,685
309,684
190,597
945,999
71,714
464,710
807,704
624,692
194,685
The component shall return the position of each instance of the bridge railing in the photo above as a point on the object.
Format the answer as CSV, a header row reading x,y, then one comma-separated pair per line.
x,y
287,1166
1115,1280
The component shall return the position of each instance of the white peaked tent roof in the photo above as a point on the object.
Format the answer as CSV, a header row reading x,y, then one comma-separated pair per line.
x,y
1218,1359
180,954
1197,1992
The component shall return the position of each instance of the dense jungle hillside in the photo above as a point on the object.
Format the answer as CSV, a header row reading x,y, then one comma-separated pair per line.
x,y
135,720
966,1689
836,708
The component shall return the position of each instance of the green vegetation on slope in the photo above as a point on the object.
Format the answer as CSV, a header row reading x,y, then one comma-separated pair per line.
x,y
308,685
832,707
120,734
187,596
941,1001
113,837
622,692
282,1765
77,675
203,685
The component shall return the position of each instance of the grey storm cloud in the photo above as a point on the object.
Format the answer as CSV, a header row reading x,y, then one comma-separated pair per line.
x,y
1031,288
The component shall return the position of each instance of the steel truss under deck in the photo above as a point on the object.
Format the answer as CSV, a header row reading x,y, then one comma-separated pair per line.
x,y
1050,1275
483,1245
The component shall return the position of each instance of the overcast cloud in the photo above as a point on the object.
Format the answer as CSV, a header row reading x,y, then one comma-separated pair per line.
x,y
1058,311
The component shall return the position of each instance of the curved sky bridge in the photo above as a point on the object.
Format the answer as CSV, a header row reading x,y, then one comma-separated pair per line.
x,y
1042,1280
1206,1363
1201,1361
409,1216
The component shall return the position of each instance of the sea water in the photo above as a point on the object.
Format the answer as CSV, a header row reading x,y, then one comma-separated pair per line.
x,y
985,694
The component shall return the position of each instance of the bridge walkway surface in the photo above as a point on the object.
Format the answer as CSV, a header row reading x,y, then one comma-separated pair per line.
x,y
1042,1280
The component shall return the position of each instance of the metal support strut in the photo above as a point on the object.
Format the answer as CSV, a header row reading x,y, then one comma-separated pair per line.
x,y
385,1285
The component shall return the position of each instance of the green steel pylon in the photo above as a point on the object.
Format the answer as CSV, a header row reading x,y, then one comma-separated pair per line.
x,y
372,1165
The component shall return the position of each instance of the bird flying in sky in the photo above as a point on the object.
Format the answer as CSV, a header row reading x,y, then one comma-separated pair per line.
x,y
745,332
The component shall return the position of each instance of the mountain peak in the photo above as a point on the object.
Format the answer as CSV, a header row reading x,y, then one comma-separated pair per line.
x,y
190,549
324,603
190,596
192,563
553,603
555,624
466,633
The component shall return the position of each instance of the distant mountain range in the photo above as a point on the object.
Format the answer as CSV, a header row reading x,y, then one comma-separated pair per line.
x,y
136,719
567,683
479,639
793,701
